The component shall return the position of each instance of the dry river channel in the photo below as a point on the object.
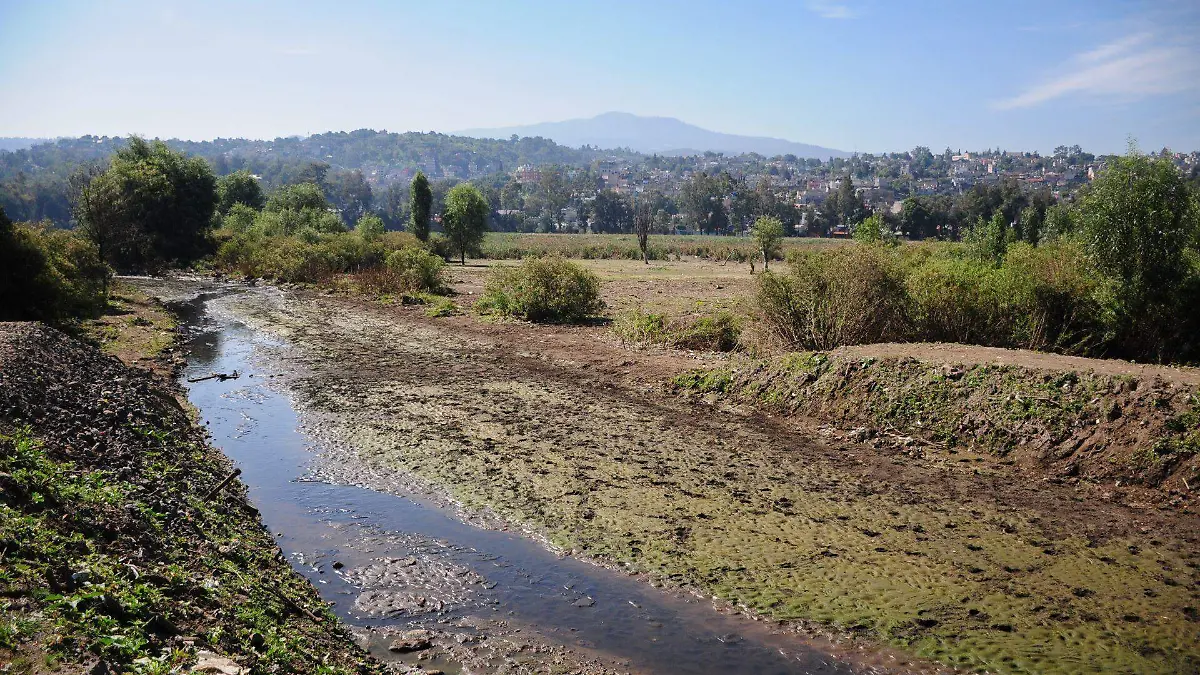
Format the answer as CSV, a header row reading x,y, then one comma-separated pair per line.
x,y
425,581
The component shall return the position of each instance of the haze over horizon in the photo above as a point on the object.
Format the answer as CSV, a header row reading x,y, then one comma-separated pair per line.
x,y
855,75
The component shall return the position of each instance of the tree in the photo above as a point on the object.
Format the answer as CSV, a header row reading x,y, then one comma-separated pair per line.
x,y
151,207
510,196
869,231
610,213
465,219
1136,221
420,206
349,193
297,197
643,220
239,187
768,233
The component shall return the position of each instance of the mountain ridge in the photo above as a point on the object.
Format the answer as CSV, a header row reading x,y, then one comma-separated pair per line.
x,y
653,135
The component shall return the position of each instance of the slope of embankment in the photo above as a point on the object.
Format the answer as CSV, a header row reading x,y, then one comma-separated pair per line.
x,y
1065,425
126,546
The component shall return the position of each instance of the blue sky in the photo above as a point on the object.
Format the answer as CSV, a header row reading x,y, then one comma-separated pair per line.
x,y
865,75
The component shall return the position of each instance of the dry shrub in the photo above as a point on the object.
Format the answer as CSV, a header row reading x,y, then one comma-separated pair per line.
x,y
842,296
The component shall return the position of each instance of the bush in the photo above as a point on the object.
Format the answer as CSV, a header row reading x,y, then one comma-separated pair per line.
x,y
843,296
547,289
48,274
716,332
417,269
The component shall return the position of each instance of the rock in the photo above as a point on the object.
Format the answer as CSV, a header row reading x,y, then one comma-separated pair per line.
x,y
584,602
208,662
411,641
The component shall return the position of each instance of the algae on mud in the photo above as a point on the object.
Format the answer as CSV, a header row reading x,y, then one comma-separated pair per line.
x,y
949,563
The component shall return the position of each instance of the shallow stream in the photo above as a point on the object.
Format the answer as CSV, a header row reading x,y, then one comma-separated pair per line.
x,y
394,561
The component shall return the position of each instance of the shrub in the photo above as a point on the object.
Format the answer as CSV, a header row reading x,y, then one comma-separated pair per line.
x,y
843,296
547,289
48,274
417,269
708,332
641,327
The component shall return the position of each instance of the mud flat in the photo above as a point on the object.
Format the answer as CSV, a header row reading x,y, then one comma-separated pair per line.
x,y
964,563
427,585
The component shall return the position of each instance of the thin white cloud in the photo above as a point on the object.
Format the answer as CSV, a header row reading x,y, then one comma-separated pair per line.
x,y
831,9
296,51
1130,68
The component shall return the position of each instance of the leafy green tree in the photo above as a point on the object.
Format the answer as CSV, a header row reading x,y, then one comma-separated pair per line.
x,y
156,203
420,206
465,219
768,235
349,193
610,213
510,196
1137,221
239,187
869,231
370,227
297,197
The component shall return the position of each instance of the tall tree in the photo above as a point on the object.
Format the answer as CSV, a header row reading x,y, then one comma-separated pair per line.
x,y
161,198
465,219
643,220
420,206
349,193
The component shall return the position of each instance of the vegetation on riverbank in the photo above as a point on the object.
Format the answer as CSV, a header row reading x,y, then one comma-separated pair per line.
x,y
119,548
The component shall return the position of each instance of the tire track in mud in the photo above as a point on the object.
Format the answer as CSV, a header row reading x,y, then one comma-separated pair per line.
x,y
958,564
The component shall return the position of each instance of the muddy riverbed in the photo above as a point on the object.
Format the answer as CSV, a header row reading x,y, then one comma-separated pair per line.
x,y
424,582
448,431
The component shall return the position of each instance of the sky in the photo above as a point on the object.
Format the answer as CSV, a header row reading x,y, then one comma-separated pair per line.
x,y
856,75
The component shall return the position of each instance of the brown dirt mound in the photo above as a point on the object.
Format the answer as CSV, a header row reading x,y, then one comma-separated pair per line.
x,y
1068,424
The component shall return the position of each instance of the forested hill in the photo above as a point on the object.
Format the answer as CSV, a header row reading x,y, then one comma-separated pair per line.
x,y
33,181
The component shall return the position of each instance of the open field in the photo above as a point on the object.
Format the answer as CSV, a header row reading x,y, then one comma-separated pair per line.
x,y
950,554
513,245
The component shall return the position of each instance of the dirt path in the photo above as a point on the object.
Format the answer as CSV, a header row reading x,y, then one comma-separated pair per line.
x,y
567,432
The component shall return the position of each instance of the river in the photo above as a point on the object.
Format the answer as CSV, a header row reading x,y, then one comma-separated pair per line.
x,y
394,561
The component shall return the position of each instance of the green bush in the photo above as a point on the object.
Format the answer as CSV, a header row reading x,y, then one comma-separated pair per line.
x,y
417,269
548,289
49,274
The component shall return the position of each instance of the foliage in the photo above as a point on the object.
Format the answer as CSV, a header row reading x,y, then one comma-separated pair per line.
x,y
420,205
48,274
370,227
768,233
549,289
718,332
465,219
239,187
848,295
417,269
152,207
870,231
1137,222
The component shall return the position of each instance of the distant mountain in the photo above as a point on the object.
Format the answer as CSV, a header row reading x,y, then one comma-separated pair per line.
x,y
661,135
13,144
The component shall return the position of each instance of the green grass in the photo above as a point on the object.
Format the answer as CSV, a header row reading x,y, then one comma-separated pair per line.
x,y
511,245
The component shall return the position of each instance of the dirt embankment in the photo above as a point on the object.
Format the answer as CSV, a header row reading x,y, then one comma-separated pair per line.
x,y
1068,425
564,432
125,548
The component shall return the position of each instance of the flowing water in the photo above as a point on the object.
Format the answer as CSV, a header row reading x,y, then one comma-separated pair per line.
x,y
387,560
